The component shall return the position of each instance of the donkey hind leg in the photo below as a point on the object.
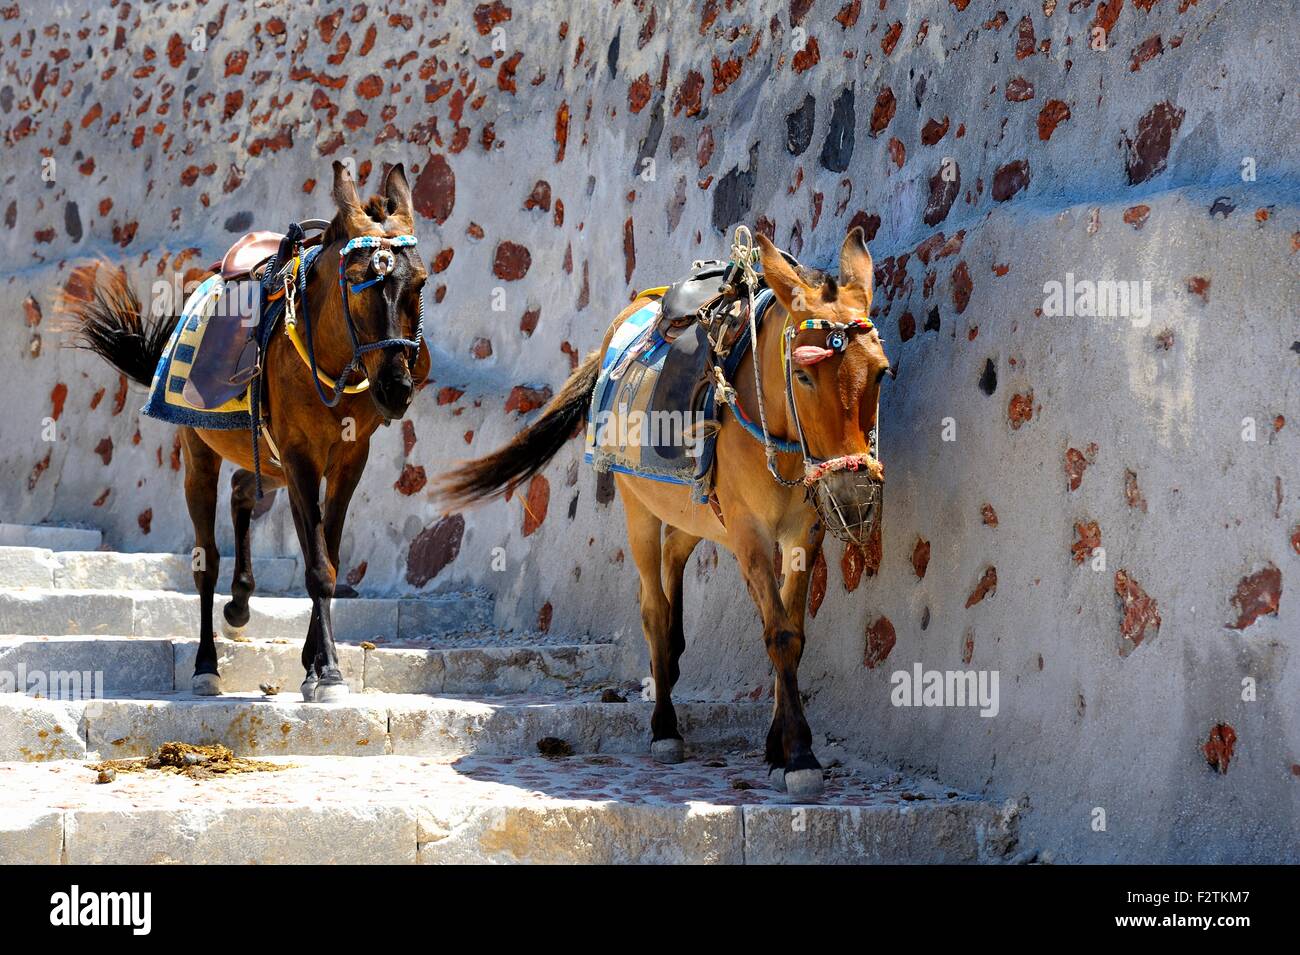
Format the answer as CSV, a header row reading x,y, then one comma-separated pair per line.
x,y
783,638
243,498
643,532
202,468
677,548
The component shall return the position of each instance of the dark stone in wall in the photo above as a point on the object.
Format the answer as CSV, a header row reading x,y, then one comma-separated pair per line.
x,y
604,487
650,142
72,221
837,151
734,194
239,222
613,53
942,195
989,380
799,126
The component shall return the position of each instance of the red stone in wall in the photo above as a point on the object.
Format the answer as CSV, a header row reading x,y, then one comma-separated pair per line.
x,y
1257,595
880,641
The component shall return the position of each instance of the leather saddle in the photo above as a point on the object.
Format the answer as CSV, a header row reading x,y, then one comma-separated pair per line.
x,y
682,302
227,360
248,252
684,379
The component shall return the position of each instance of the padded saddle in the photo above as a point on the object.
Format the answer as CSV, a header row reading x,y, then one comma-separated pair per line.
x,y
228,359
684,378
248,252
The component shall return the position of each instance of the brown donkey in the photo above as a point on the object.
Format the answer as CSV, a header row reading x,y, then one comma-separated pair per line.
x,y
834,391
367,325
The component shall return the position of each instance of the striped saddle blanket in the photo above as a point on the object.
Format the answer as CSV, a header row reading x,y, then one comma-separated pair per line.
x,y
172,398
655,425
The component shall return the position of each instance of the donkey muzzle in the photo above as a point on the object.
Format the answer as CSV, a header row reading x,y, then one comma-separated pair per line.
x,y
849,495
393,389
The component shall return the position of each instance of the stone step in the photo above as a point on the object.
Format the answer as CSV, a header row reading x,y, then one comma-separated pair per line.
x,y
137,665
50,536
22,567
56,611
596,809
367,724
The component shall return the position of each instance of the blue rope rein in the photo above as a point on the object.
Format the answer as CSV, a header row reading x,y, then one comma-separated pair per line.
x,y
358,349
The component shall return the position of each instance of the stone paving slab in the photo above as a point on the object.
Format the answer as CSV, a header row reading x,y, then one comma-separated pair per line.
x,y
60,611
36,730
245,666
104,666
125,665
108,570
31,836
50,537
593,809
487,669
370,724
445,726
39,612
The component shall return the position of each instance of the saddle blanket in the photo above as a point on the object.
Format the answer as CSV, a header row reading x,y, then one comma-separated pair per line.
x,y
655,425
167,400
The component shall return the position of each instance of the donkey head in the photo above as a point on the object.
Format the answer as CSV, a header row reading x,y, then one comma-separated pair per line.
x,y
835,374
384,309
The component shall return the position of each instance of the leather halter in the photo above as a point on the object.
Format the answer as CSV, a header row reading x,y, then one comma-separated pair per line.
x,y
381,262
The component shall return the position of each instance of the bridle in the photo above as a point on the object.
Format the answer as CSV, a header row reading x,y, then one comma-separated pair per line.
x,y
382,263
853,520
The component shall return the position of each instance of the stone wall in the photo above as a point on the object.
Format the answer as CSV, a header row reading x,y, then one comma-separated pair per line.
x,y
564,154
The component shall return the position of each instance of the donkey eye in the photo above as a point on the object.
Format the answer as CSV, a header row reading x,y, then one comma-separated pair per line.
x,y
803,378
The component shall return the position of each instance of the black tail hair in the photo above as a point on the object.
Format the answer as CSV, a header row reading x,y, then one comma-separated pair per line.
x,y
527,452
107,319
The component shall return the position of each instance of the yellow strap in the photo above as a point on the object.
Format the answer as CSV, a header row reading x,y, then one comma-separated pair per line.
x,y
657,290
292,332
291,329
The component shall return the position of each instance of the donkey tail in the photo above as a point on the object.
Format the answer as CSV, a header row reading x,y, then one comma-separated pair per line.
x,y
107,319
527,452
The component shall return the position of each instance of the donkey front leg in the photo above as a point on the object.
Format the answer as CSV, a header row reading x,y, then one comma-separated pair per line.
x,y
799,552
324,681
202,468
783,638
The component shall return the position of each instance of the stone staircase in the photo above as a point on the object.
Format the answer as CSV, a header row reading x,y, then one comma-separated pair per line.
x,y
434,757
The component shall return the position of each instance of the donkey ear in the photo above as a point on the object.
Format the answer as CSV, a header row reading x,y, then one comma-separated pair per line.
x,y
345,190
784,281
855,261
397,192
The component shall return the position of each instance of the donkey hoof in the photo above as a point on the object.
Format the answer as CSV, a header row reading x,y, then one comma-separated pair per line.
x,y
330,693
309,689
231,632
206,684
668,751
804,783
